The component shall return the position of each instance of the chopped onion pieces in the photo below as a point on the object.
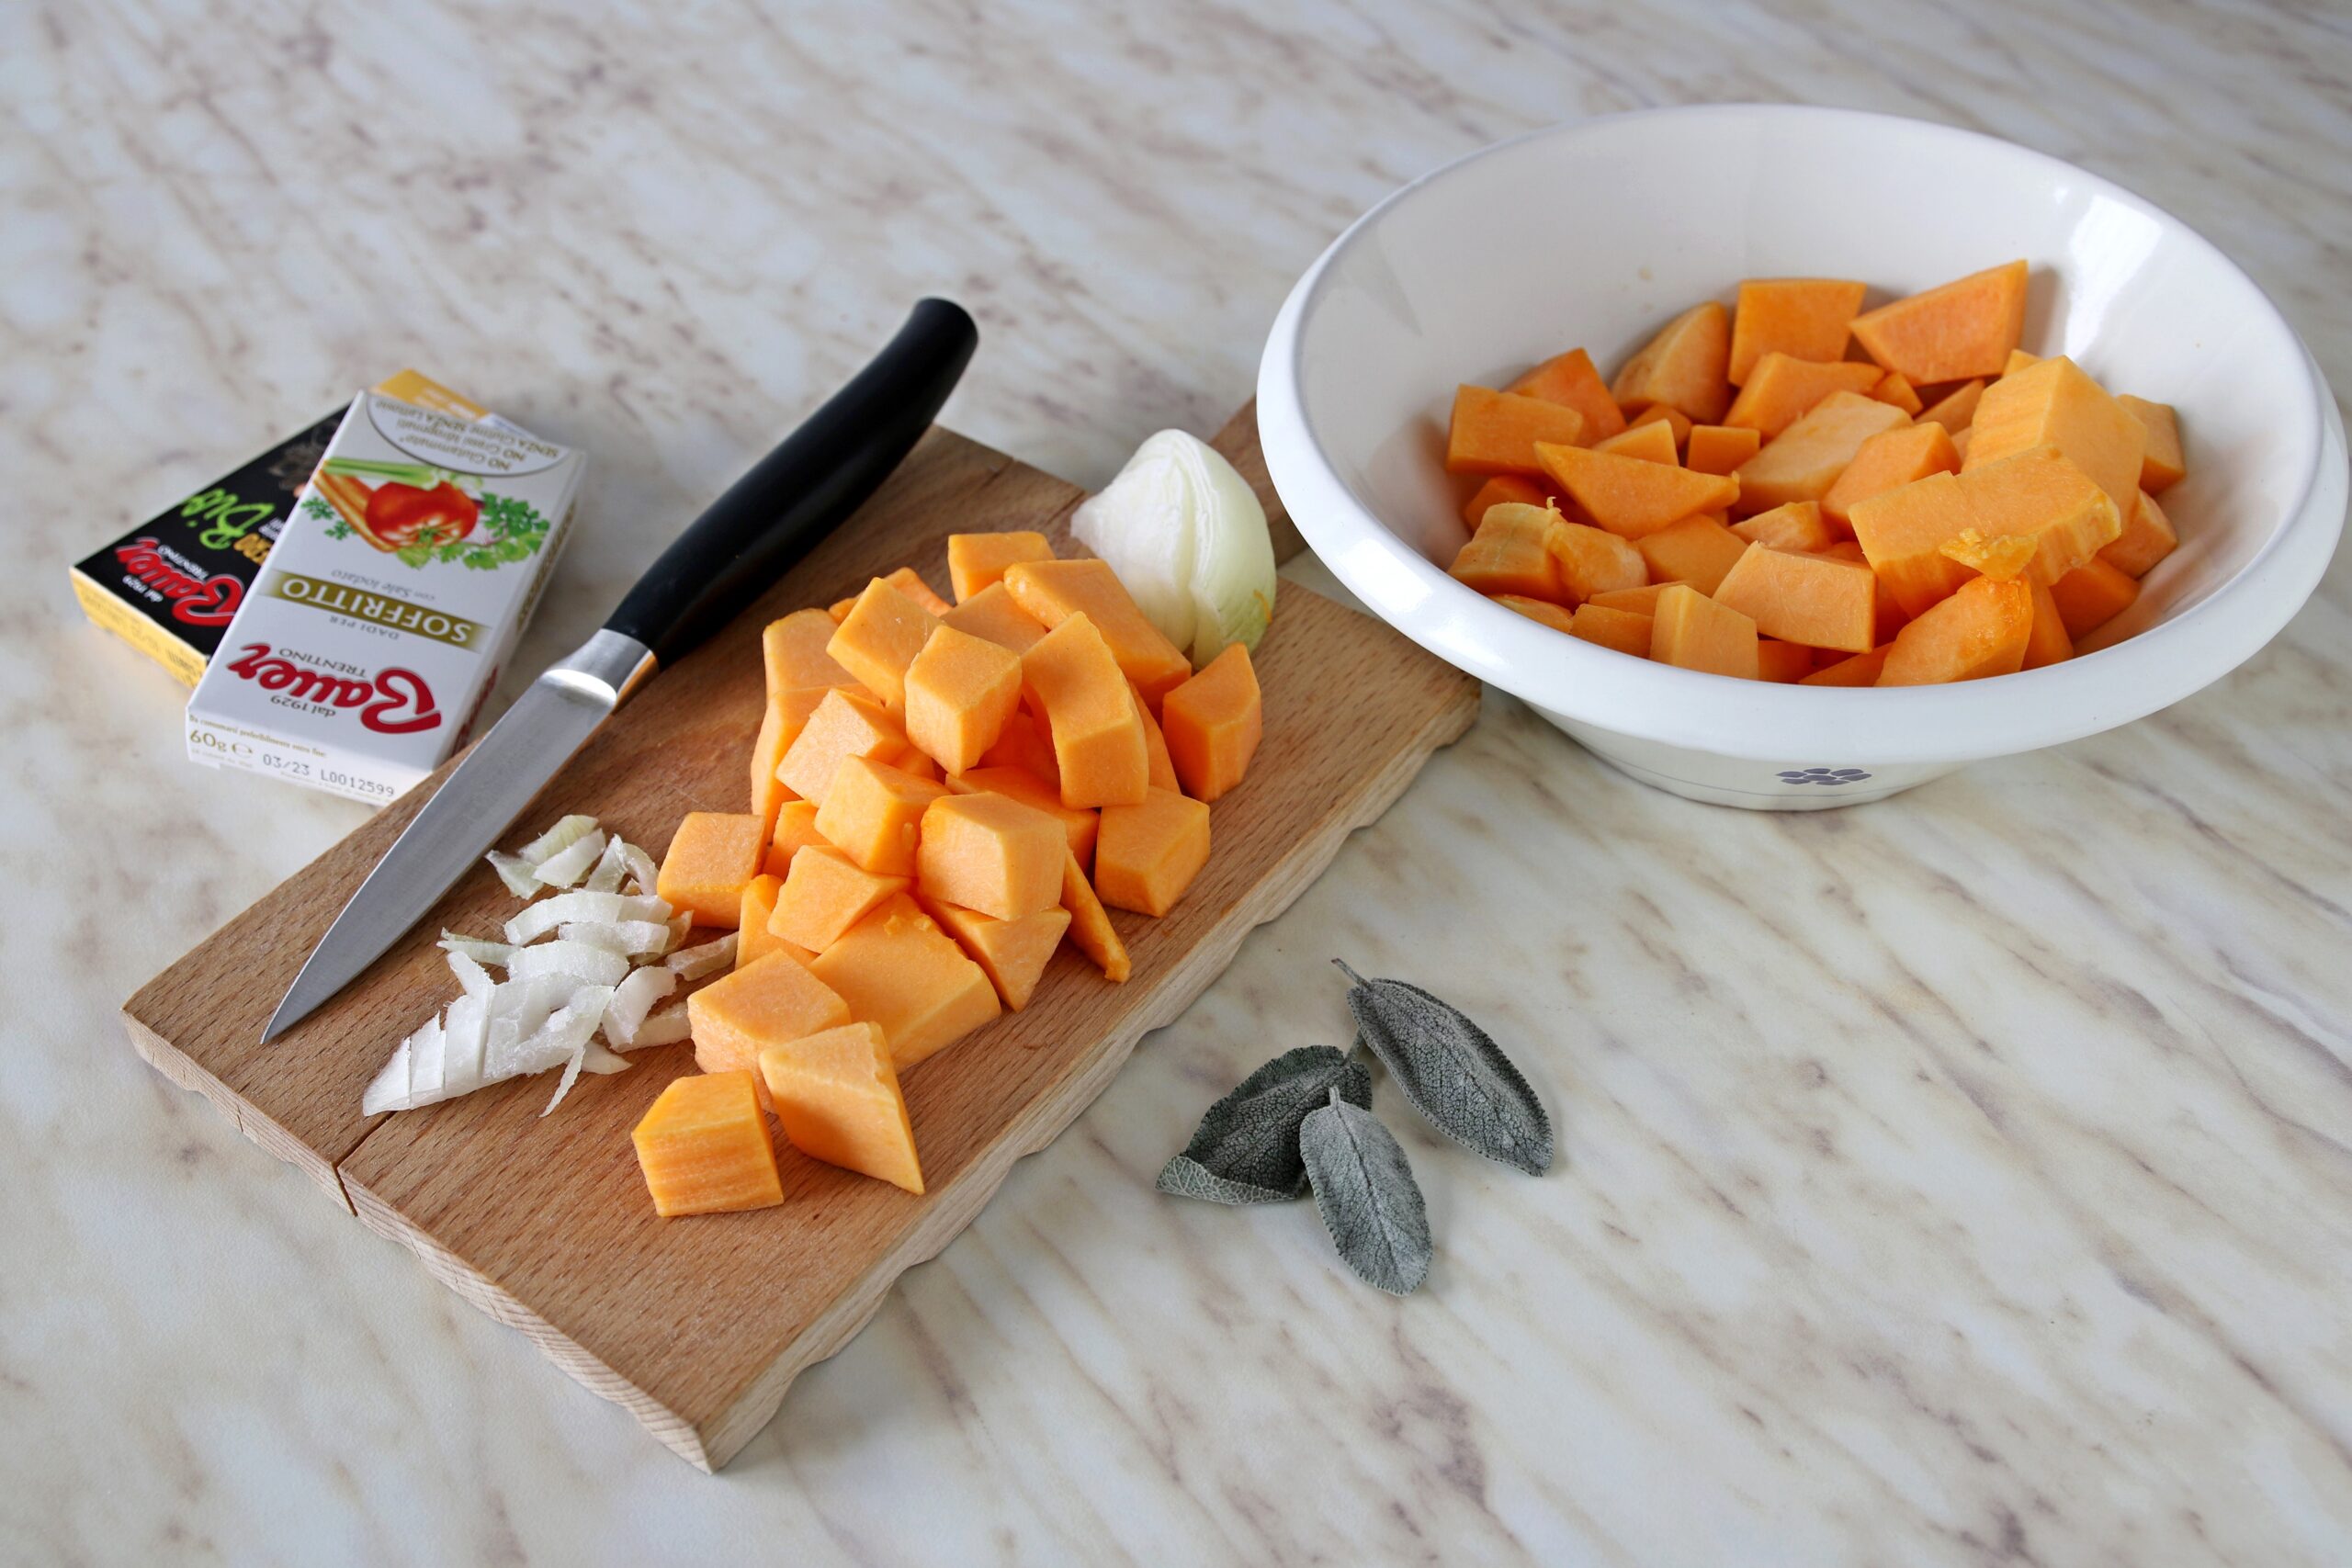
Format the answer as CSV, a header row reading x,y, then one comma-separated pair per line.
x,y
566,908
574,860
581,960
693,962
567,831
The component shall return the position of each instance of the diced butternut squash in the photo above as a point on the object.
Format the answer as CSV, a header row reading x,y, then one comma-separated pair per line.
x,y
1641,600
1781,390
2147,538
2005,555
2017,360
1630,497
1796,527
1099,750
766,1002
1559,617
1903,532
825,893
781,721
1697,551
1692,632
1052,592
960,691
1818,600
704,1149
1960,444
2054,404
992,616
2046,642
1676,422
2091,595
754,940
1510,554
1980,630
977,561
1027,743
1805,460
1570,378
1627,631
873,814
1091,931
2161,463
1497,489
1783,663
1684,367
879,637
712,856
987,852
1861,670
895,968
1030,790
843,725
1895,388
1887,616
1956,409
792,651
1895,455
1804,318
1651,440
1148,855
837,1098
2041,493
1721,448
1011,954
1963,328
796,829
1496,433
1593,560
1160,766
1214,722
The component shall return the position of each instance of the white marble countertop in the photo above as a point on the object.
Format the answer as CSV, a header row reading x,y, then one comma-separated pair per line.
x,y
1965,1177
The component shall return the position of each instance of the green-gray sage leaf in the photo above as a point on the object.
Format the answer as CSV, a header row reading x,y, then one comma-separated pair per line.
x,y
1246,1148
1365,1193
1452,1071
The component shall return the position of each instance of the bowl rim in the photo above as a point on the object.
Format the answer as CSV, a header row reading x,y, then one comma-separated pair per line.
x,y
1745,718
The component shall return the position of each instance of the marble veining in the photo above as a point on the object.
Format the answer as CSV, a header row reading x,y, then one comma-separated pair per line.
x,y
1962,1178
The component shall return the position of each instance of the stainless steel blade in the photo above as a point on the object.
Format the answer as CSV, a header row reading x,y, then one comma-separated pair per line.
x,y
549,723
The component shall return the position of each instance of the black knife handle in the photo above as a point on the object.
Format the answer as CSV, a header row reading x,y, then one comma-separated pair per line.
x,y
823,471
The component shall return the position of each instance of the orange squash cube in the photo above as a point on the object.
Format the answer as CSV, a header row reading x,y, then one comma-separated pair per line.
x,y
825,894
1896,389
1651,440
1963,328
907,580
1956,409
2161,463
837,1098
1795,526
796,829
879,637
1895,455
1781,390
1052,592
977,561
873,814
1027,743
1697,551
960,691
1161,771
992,616
769,1000
1641,600
1781,663
1497,489
1026,787
792,652
1981,630
1540,611
1684,366
1692,632
1805,460
987,852
897,969
1593,560
1720,448
2017,360
1818,600
1677,424
1091,931
754,940
1804,318
2046,641
2041,493
1099,749
1011,954
2053,403
1213,723
2147,538
1861,670
1148,854
1630,497
1496,433
2004,556
1510,554
1903,533
2091,595
703,1147
1570,378
1627,631
843,725
712,856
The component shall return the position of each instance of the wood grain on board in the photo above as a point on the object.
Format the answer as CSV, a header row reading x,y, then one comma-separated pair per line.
x,y
698,1326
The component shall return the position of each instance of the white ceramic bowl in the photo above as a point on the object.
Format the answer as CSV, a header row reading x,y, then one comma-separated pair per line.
x,y
1595,233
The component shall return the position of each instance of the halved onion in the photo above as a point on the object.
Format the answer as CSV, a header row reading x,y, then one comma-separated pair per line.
x,y
1189,539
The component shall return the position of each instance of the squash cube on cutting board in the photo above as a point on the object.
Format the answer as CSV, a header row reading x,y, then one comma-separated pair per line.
x,y
776,998
1052,592
1692,631
1980,630
712,856
1782,390
1685,367
879,637
796,829
786,715
1214,721
703,1146
895,968
907,580
825,894
1496,433
1160,768
874,813
1697,550
1630,497
1805,460
1893,457
792,651
1804,318
1099,750
754,939
843,725
977,563
1814,601
2053,403
1011,954
1509,554
1027,788
1148,855
992,616
990,853
837,1098
960,691
1027,743
1963,328
1091,931
1570,378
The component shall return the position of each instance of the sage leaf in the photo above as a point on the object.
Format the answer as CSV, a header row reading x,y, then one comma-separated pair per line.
x,y
1452,1071
1365,1193
1246,1148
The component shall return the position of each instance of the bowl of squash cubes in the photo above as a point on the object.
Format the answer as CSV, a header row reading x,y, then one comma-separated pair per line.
x,y
1787,458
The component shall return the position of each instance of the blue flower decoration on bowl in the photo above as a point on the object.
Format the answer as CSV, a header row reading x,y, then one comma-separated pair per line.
x,y
1830,776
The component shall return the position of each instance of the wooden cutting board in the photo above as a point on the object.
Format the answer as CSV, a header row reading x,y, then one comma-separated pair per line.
x,y
698,1326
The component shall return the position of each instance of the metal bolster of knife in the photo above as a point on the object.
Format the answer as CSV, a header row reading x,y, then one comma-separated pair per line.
x,y
607,667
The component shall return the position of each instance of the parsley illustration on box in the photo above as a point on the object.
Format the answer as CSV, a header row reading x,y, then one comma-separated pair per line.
x,y
415,514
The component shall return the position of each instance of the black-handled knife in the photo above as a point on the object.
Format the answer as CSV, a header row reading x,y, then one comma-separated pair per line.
x,y
767,521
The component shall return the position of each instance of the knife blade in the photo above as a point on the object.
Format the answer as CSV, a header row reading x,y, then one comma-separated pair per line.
x,y
765,523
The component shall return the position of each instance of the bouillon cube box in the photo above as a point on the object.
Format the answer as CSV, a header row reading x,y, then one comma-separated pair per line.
x,y
390,602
